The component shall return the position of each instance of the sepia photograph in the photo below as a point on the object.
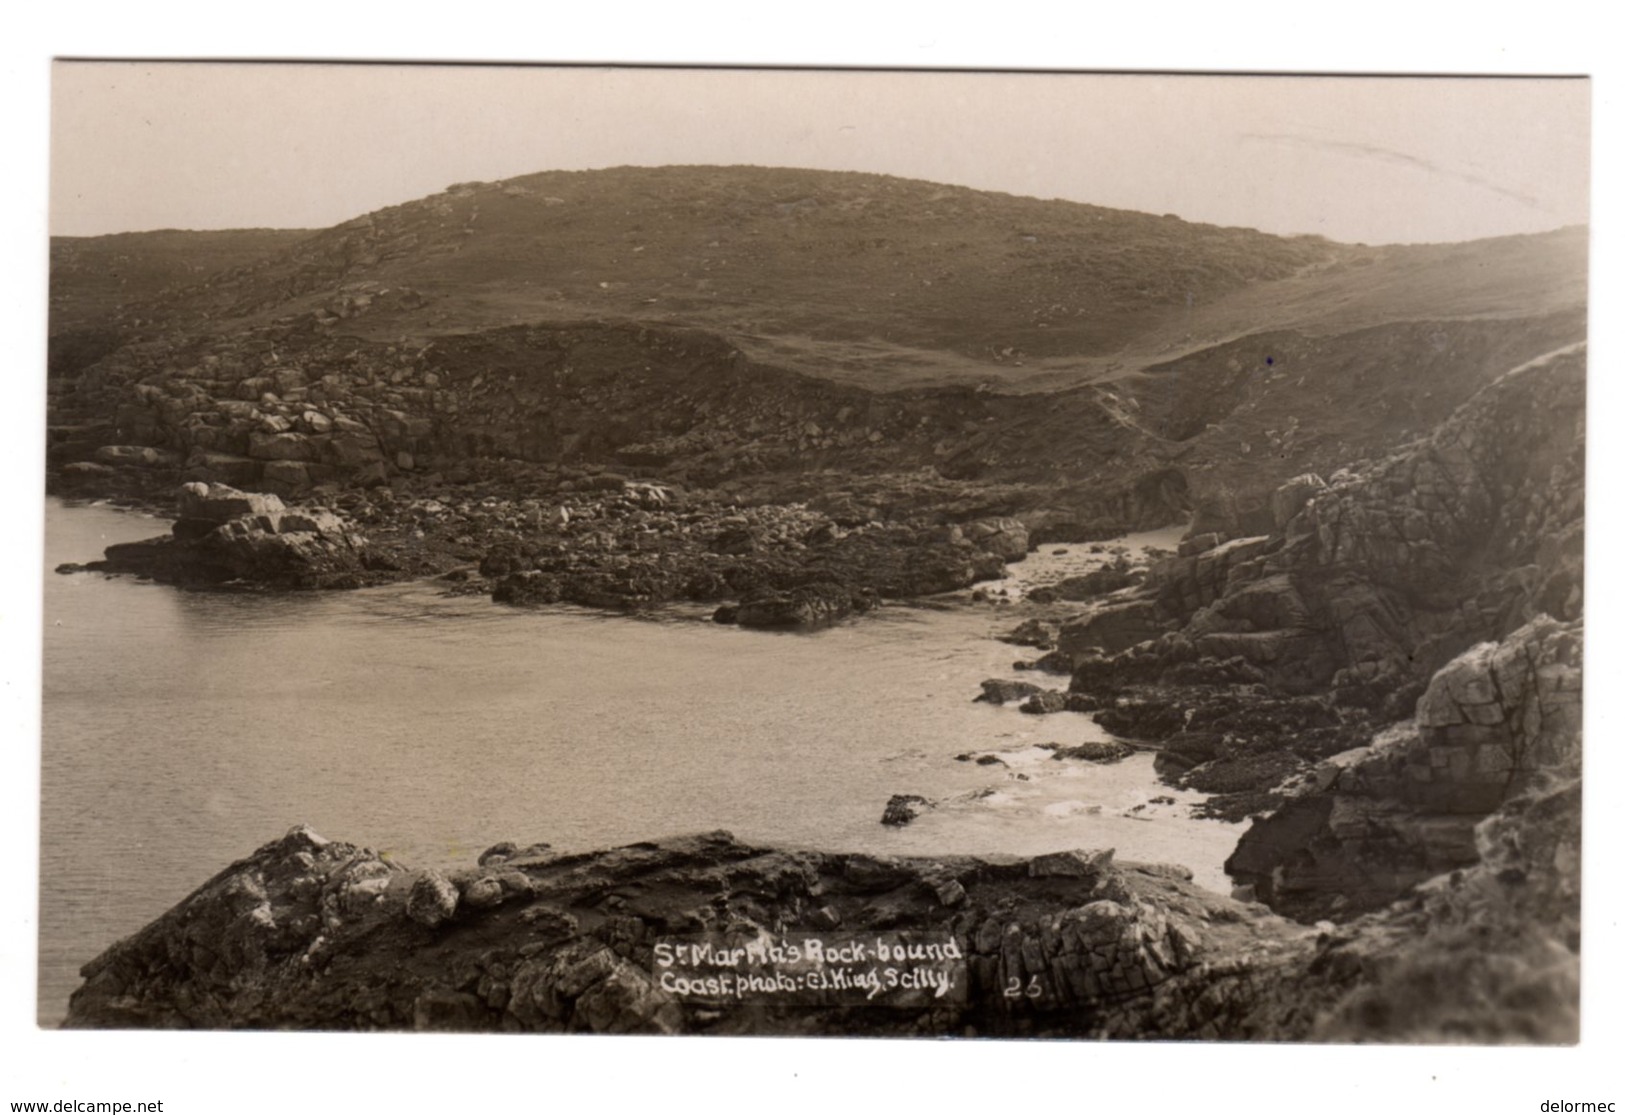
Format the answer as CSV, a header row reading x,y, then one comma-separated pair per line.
x,y
799,552
1078,583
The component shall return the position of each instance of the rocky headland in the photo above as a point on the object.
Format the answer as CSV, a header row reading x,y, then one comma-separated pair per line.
x,y
1367,644
311,934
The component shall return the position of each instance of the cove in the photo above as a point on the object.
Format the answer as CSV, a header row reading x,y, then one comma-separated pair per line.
x,y
182,730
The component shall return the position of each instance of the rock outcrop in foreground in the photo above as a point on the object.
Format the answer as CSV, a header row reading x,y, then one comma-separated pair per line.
x,y
311,934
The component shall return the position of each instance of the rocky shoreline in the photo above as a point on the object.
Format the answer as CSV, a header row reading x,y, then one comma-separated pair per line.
x,y
1273,672
1255,665
624,546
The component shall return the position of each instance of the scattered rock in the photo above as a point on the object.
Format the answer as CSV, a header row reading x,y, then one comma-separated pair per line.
x,y
1045,701
996,691
904,808
481,893
1095,751
1078,864
432,901
1031,633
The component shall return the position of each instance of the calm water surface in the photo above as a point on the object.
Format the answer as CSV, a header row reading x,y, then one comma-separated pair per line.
x,y
183,730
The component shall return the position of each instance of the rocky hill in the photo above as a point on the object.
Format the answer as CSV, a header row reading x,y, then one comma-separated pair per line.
x,y
771,254
754,327
887,282
94,279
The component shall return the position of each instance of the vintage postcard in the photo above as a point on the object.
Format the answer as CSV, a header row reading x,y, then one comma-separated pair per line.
x,y
806,552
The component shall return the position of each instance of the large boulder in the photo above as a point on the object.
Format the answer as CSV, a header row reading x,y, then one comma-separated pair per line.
x,y
1031,633
1005,537
137,456
903,808
281,447
218,503
433,900
1111,629
997,691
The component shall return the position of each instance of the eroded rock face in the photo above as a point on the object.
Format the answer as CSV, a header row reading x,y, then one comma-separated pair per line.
x,y
1283,650
307,933
1111,629
1005,538
311,934
1501,720
1379,576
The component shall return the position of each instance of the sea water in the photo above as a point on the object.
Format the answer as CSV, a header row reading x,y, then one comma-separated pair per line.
x,y
184,729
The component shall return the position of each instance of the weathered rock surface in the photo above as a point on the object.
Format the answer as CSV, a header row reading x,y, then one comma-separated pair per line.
x,y
1094,751
1111,629
1004,537
1289,648
904,808
997,691
228,538
217,503
311,934
1501,721
1031,633
1045,701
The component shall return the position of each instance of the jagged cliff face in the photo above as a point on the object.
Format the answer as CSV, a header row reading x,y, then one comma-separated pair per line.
x,y
1251,415
1374,580
1437,591
1498,727
1447,843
